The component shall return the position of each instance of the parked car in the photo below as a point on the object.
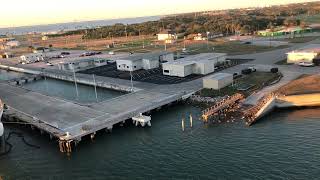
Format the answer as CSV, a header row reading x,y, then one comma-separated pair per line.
x,y
111,53
252,69
274,70
65,53
246,71
306,64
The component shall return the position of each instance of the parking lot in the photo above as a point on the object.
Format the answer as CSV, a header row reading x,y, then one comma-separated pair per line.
x,y
154,76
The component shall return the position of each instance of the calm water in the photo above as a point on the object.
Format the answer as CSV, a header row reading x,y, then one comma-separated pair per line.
x,y
284,145
7,75
75,25
67,90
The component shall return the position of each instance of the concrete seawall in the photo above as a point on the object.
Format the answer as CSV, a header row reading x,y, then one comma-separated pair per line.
x,y
80,78
302,100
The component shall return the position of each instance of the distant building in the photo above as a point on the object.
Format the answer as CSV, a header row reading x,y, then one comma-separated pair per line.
x,y
82,64
13,43
32,58
280,31
143,61
217,81
200,37
44,38
205,36
198,64
306,54
6,55
168,36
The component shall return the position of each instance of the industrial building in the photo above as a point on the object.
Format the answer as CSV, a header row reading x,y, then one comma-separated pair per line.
x,y
280,31
168,36
197,64
217,81
143,61
31,58
306,54
81,64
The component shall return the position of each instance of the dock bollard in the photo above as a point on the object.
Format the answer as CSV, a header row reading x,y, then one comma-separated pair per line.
x,y
182,124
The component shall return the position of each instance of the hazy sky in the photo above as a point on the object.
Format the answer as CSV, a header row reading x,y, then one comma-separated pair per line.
x,y
31,12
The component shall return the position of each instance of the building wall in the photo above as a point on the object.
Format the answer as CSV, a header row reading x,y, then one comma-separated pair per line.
x,y
128,65
162,37
179,70
150,64
300,56
217,84
30,58
167,57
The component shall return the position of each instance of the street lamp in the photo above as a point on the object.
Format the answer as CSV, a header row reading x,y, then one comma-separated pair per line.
x,y
208,39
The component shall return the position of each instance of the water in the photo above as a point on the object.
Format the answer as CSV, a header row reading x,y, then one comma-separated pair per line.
x,y
75,25
67,90
284,145
8,75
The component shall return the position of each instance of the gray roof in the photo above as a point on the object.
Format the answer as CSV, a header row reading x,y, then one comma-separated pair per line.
x,y
150,56
219,76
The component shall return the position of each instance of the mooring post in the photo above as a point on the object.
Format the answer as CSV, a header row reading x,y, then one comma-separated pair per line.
x,y
182,124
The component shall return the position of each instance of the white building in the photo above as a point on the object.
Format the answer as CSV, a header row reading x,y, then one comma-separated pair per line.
x,y
306,54
198,64
217,81
32,58
167,36
143,61
13,43
81,64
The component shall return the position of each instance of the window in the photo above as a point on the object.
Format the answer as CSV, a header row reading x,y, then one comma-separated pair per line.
x,y
166,71
127,67
135,66
119,66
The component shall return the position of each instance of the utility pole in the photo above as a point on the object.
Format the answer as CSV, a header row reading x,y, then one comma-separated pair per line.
x,y
131,81
95,86
75,83
208,39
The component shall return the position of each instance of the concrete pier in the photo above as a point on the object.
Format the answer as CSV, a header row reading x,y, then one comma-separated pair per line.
x,y
70,121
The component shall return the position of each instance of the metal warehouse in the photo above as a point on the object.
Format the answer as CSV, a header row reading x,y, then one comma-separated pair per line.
x,y
143,61
306,54
197,64
217,81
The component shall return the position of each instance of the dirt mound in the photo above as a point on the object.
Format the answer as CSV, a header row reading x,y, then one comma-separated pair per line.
x,y
303,85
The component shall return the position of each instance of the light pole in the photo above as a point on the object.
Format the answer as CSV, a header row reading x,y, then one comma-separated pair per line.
x,y
95,87
208,39
75,83
131,81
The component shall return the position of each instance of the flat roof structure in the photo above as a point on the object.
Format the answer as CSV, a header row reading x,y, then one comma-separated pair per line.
x,y
219,76
311,48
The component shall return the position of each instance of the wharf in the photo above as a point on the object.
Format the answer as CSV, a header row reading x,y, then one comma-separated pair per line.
x,y
70,122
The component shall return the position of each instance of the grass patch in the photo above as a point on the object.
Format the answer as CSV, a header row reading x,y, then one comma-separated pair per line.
x,y
232,48
257,79
301,39
310,19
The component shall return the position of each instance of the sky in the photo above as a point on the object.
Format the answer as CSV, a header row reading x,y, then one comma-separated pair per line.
x,y
15,13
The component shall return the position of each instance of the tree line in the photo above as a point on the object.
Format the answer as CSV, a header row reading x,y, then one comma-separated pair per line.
x,y
224,21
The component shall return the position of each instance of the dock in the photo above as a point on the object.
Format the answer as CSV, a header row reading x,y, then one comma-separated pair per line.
x,y
220,107
69,122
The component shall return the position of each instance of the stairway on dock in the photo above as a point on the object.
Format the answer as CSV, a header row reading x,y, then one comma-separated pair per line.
x,y
220,107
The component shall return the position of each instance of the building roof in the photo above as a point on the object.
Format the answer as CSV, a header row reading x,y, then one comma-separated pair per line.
x,y
166,31
149,56
199,58
311,48
219,76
